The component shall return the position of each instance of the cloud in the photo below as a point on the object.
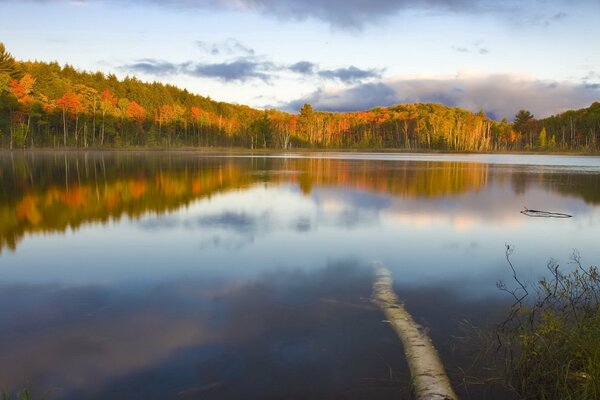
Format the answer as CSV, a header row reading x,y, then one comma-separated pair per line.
x,y
559,16
152,67
355,14
498,95
359,97
350,74
228,47
241,69
475,48
303,67
247,68
238,70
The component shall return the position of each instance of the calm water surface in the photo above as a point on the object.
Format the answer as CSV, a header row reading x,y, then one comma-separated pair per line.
x,y
179,275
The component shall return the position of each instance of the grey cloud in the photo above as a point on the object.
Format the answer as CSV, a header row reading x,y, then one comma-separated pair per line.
x,y
241,69
228,47
303,67
152,67
246,68
354,14
350,74
359,97
238,70
498,95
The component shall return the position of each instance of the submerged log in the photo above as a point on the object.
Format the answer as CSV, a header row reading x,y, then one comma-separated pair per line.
x,y
544,214
429,378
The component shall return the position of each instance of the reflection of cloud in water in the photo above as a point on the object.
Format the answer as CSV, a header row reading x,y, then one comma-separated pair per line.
x,y
239,222
85,344
238,219
234,228
287,334
163,222
228,220
269,337
226,242
302,224
334,200
348,208
494,206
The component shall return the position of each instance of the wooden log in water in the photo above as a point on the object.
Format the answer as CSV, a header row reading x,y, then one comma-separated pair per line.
x,y
429,378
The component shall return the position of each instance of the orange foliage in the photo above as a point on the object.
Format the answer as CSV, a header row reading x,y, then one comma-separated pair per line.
x,y
196,186
71,102
76,196
136,112
137,188
22,88
196,112
28,210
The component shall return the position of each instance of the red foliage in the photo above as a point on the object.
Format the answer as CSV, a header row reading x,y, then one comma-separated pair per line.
x,y
196,112
71,102
22,88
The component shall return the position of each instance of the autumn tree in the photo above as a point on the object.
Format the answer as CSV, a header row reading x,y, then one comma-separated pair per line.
x,y
108,102
22,90
70,104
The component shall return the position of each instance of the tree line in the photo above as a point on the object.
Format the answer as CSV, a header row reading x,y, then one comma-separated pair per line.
x,y
48,105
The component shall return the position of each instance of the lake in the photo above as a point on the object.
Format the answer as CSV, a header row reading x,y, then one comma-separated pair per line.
x,y
183,275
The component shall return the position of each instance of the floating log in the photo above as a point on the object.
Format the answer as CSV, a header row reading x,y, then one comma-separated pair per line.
x,y
429,378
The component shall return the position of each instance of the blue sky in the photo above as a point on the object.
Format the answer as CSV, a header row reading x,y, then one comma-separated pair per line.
x,y
337,54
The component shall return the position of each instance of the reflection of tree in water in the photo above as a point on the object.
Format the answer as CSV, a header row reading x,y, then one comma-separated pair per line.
x,y
581,184
51,192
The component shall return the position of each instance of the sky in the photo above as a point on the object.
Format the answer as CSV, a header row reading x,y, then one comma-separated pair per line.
x,y
338,55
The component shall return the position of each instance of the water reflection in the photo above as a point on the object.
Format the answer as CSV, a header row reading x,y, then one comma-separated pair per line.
x,y
178,275
44,193
265,338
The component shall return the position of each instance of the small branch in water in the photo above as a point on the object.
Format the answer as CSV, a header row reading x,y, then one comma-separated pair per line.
x,y
544,214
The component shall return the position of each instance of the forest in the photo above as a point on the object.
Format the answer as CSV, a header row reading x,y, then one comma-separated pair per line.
x,y
46,105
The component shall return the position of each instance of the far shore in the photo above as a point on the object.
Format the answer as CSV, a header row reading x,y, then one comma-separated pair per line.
x,y
300,150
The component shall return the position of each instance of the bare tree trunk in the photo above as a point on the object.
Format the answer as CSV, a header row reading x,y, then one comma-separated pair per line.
x,y
102,129
64,128
429,379
94,124
76,130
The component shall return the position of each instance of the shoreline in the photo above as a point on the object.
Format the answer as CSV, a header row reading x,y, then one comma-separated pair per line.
x,y
303,150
